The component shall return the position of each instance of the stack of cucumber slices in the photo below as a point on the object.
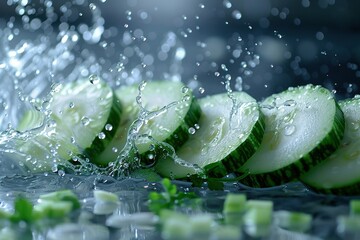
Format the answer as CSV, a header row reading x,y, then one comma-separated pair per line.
x,y
301,134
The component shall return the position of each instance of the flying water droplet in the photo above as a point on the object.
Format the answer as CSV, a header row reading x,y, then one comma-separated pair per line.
x,y
236,14
92,6
227,4
201,90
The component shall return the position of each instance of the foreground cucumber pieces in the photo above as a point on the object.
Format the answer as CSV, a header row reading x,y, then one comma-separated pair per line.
x,y
229,132
84,118
171,126
339,174
304,126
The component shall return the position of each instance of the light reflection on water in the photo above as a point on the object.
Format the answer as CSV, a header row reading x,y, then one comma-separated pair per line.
x,y
133,198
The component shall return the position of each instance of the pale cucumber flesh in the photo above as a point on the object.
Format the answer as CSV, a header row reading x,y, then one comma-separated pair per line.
x,y
339,174
79,113
304,125
223,128
170,126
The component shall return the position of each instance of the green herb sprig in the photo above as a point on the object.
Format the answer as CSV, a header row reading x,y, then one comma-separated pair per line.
x,y
169,198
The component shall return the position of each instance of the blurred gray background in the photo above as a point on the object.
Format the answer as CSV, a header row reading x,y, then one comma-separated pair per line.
x,y
297,42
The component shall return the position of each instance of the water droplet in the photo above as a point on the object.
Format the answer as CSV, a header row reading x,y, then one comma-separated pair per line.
x,y
320,36
108,127
180,54
139,100
223,67
71,105
239,83
192,130
289,130
85,121
101,135
289,103
228,77
152,147
355,126
201,90
54,168
186,97
61,173
227,4
51,123
94,79
236,14
185,90
92,6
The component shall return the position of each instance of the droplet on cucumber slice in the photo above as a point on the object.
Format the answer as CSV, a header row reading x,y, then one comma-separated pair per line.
x,y
339,173
170,109
229,131
79,113
317,126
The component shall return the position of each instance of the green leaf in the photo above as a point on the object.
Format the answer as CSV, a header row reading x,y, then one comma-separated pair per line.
x,y
23,211
169,198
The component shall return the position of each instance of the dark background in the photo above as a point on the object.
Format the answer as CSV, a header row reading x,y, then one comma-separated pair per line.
x,y
298,42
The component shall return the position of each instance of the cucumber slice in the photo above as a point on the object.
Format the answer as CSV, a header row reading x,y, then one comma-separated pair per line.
x,y
230,131
84,118
171,126
339,174
304,125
